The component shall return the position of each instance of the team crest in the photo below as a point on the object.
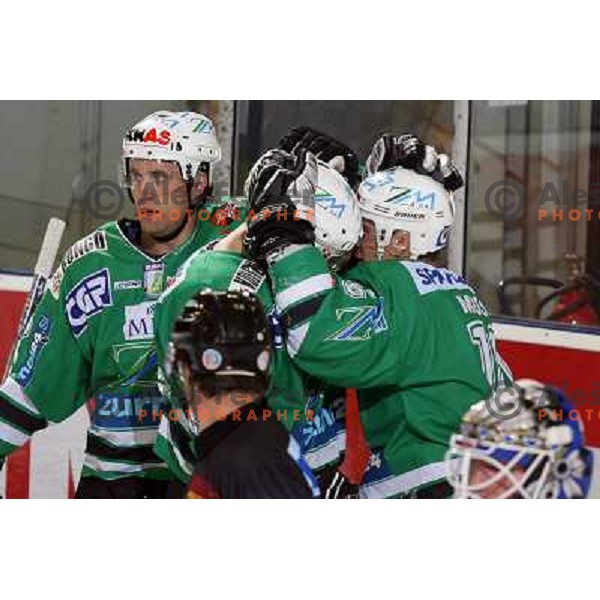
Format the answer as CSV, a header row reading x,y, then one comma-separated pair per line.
x,y
365,322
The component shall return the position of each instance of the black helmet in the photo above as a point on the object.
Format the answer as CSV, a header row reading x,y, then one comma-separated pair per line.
x,y
224,339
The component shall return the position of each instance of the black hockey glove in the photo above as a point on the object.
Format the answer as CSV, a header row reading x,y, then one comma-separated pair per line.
x,y
325,148
334,485
280,191
409,152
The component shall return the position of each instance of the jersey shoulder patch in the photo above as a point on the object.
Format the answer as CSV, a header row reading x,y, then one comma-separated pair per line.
x,y
94,242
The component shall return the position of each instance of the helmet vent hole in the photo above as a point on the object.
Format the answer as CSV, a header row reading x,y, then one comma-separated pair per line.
x,y
344,231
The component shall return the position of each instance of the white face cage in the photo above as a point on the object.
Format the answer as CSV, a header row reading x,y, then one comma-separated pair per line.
x,y
474,471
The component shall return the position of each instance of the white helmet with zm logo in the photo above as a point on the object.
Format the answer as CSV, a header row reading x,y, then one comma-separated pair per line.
x,y
401,199
338,226
186,138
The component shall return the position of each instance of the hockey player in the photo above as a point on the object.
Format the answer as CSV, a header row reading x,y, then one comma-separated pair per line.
x,y
296,401
91,338
526,442
221,354
411,335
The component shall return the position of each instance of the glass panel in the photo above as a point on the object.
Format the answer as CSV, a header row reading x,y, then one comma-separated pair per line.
x,y
532,210
260,124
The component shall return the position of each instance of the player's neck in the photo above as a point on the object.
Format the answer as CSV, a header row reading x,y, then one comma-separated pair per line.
x,y
156,247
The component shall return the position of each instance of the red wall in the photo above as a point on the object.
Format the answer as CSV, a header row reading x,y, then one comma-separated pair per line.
x,y
576,372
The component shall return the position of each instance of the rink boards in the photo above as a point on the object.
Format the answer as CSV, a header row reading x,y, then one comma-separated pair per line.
x,y
49,466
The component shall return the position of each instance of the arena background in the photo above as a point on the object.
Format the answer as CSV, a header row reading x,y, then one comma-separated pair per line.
x,y
547,151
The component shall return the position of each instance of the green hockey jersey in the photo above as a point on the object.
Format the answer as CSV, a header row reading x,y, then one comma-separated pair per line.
x,y
415,340
220,271
91,340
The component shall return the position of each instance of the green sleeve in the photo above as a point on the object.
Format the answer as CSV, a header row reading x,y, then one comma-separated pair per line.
x,y
174,445
338,330
49,375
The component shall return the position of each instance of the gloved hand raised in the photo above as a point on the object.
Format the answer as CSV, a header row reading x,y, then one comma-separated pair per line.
x,y
280,189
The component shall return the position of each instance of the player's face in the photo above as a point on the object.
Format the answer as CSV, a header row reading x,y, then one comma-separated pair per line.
x,y
160,195
367,249
482,472
209,409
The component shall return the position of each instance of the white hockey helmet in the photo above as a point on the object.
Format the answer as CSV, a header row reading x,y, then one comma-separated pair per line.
x,y
338,224
187,138
400,199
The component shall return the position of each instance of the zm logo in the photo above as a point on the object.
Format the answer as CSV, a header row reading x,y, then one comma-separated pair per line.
x,y
203,127
414,198
366,321
89,297
328,202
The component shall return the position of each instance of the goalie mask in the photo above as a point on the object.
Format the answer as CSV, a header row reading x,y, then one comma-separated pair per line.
x,y
338,224
223,339
186,138
400,199
524,442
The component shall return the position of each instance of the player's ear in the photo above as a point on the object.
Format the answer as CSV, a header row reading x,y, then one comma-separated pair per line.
x,y
200,183
186,380
400,243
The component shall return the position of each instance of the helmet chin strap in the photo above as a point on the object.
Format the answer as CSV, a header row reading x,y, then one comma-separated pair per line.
x,y
383,241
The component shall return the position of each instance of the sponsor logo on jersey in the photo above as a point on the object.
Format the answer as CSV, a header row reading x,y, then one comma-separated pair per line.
x,y
366,322
127,411
428,279
89,297
128,284
139,321
91,243
39,338
356,290
319,430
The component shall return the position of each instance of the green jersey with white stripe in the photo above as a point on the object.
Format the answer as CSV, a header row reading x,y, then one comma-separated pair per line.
x,y
92,339
415,340
220,271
